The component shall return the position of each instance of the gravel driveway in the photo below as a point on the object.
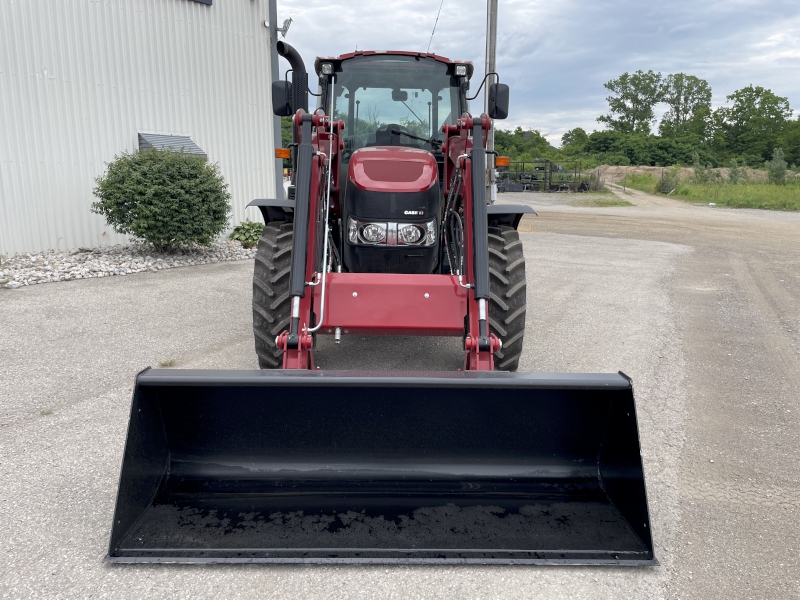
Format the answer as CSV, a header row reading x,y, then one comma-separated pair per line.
x,y
698,306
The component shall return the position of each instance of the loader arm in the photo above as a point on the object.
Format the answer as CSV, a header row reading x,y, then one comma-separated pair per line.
x,y
468,293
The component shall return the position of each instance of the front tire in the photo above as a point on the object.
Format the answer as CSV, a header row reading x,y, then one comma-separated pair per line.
x,y
507,295
271,301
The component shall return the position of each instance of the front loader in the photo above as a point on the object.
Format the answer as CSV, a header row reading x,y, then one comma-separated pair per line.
x,y
387,231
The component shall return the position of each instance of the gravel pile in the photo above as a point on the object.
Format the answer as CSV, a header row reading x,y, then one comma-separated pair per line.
x,y
49,267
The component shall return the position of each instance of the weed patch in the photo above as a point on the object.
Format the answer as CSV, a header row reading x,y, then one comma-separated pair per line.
x,y
604,203
736,192
748,195
644,182
248,233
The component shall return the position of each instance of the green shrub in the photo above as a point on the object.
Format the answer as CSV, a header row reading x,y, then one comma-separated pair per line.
x,y
776,168
616,159
702,172
248,233
669,180
736,173
166,198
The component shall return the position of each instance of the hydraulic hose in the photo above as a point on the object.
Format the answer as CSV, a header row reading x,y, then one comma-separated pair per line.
x,y
327,213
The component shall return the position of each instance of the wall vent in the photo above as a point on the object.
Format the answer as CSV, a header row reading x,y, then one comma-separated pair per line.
x,y
148,141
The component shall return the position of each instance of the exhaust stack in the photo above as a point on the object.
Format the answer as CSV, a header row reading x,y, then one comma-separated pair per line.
x,y
299,75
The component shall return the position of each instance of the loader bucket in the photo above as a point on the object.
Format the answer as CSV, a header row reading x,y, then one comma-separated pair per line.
x,y
322,467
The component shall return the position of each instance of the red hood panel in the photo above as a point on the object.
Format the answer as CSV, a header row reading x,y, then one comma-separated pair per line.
x,y
393,169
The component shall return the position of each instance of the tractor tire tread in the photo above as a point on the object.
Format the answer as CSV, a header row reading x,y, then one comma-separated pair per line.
x,y
510,292
497,275
497,238
271,299
495,298
265,264
507,295
263,287
498,329
520,262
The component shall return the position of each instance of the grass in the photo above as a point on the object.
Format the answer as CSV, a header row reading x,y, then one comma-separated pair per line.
x,y
744,195
604,203
643,183
46,411
747,195
604,190
167,363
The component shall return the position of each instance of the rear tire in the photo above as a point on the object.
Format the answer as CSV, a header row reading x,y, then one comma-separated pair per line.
x,y
507,295
271,301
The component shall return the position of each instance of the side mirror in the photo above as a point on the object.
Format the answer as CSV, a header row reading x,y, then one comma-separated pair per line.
x,y
282,98
498,101
399,95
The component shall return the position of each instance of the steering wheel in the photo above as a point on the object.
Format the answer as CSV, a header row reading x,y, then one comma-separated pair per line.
x,y
393,129
392,134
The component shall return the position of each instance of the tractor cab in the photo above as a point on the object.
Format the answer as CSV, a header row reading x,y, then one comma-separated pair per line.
x,y
393,98
394,105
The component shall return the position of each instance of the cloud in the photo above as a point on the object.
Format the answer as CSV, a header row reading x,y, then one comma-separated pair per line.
x,y
685,29
557,55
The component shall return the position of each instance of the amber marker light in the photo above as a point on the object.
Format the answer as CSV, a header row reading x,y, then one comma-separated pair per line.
x,y
502,161
283,153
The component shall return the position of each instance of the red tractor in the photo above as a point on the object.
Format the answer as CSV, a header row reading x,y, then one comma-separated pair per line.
x,y
387,231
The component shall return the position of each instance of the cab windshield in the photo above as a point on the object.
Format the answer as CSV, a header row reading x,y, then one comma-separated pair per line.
x,y
379,96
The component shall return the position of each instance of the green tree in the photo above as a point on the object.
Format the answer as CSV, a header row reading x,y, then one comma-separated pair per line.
x,y
631,106
287,132
574,140
689,100
518,142
790,141
754,123
641,149
700,125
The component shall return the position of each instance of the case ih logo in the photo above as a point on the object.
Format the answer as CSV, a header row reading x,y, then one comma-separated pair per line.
x,y
413,212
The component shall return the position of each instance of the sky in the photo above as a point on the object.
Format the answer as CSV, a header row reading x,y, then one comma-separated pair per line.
x,y
557,54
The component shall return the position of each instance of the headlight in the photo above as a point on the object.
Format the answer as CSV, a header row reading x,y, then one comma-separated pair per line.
x,y
461,70
430,237
374,233
417,234
409,234
391,234
327,69
352,230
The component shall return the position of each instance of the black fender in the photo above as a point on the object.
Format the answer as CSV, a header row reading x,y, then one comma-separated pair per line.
x,y
274,210
507,214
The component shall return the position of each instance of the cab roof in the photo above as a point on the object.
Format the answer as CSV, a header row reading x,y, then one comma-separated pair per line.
x,y
337,60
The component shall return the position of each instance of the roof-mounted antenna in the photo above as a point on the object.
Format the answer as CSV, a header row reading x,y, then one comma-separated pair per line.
x,y
434,26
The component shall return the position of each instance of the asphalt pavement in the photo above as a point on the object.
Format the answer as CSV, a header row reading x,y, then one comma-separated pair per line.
x,y
661,292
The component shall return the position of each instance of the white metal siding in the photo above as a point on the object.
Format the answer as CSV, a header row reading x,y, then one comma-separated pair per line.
x,y
80,78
